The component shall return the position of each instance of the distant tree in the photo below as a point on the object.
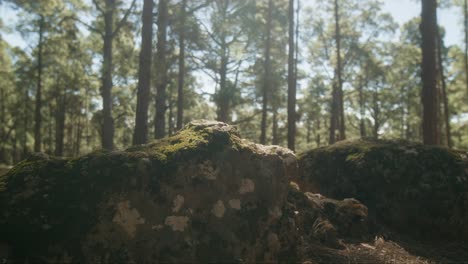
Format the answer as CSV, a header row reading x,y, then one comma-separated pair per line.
x,y
108,34
161,70
337,112
267,73
140,135
291,81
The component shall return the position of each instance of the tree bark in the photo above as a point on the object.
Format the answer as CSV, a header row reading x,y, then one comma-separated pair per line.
x,y
25,123
59,121
38,116
341,118
181,76
275,139
161,107
429,71
291,82
223,94
465,12
362,124
376,109
337,109
448,133
107,66
140,135
267,77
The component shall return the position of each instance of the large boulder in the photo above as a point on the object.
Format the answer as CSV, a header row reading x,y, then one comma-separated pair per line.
x,y
420,190
202,195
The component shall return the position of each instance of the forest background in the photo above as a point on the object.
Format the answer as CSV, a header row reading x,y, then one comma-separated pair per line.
x,y
226,60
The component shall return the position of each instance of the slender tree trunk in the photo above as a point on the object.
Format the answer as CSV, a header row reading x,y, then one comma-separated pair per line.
x,y
3,100
140,135
223,93
15,144
181,76
59,121
376,107
87,136
38,116
317,134
429,71
274,130
25,123
465,12
362,124
333,115
79,132
440,45
50,144
402,112
267,77
340,110
337,111
170,124
107,66
291,82
308,129
161,107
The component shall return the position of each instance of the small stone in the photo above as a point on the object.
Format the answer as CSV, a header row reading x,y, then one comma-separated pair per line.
x,y
235,204
177,223
218,209
178,202
247,186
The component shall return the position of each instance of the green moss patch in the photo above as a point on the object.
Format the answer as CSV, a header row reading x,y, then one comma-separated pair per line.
x,y
413,187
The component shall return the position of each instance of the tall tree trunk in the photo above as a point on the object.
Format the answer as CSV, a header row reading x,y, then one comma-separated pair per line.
x,y
376,109
267,77
181,76
15,144
25,123
107,66
38,116
362,124
161,107
3,101
465,12
333,115
274,130
170,118
308,129
59,120
291,82
317,134
79,132
340,111
140,135
223,93
429,71
448,133
337,110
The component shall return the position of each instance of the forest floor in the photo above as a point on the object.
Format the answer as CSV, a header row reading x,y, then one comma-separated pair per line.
x,y
380,250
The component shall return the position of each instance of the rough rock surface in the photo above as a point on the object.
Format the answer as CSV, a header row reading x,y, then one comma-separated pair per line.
x,y
313,218
419,190
203,195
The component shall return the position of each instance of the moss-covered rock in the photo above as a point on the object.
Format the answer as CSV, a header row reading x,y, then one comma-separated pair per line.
x,y
418,189
326,221
203,195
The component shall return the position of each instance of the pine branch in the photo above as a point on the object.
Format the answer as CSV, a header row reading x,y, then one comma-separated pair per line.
x,y
124,18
